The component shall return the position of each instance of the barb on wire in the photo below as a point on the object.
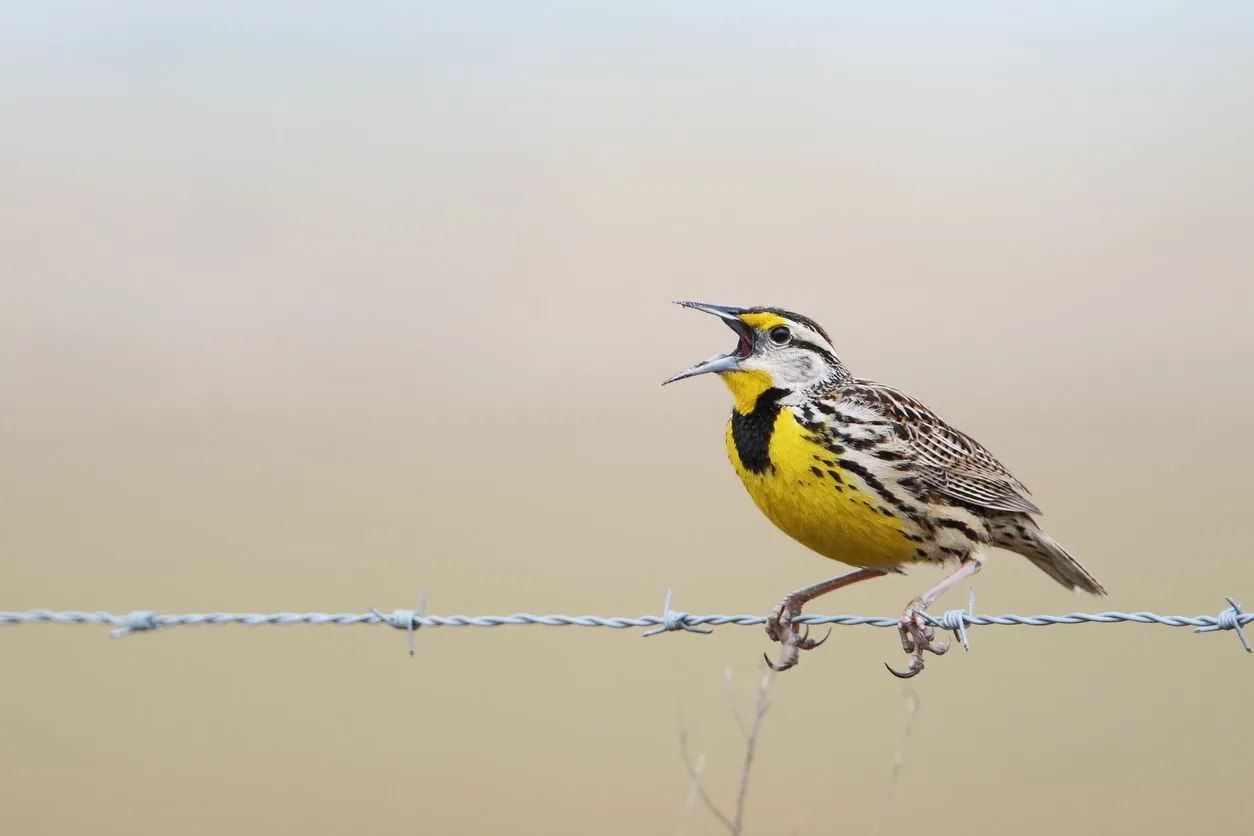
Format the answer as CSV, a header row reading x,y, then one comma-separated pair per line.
x,y
960,621
1231,619
134,622
406,619
957,620
672,620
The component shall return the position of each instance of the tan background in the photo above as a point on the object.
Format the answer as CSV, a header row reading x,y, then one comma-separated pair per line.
x,y
307,308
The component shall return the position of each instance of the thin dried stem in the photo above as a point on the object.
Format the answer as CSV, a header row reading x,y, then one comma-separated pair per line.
x,y
734,824
694,769
751,742
899,758
694,790
731,701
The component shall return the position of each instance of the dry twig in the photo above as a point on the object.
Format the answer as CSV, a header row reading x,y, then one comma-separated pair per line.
x,y
899,758
697,789
733,824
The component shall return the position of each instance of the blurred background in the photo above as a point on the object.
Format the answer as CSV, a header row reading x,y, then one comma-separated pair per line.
x,y
309,306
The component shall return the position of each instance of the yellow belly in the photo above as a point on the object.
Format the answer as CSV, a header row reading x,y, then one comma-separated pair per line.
x,y
840,520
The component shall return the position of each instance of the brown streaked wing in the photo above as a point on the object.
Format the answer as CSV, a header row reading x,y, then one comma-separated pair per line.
x,y
950,461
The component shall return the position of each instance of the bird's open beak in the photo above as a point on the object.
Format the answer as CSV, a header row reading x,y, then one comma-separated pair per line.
x,y
720,362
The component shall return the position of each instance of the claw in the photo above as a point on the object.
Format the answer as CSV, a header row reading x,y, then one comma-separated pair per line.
x,y
912,671
779,624
917,634
917,637
786,659
807,643
804,642
780,628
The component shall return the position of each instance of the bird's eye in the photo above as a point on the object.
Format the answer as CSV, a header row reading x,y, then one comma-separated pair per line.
x,y
780,335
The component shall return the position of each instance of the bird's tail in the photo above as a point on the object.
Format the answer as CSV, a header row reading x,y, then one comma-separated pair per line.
x,y
1048,555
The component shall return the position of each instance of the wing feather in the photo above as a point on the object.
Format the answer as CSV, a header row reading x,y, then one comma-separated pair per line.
x,y
949,461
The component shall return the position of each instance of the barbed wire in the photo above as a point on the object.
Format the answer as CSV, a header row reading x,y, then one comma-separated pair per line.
x,y
957,621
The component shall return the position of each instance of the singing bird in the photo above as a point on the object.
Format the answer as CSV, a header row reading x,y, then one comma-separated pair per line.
x,y
864,474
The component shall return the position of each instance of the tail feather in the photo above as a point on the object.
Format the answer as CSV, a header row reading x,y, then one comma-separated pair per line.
x,y
1048,555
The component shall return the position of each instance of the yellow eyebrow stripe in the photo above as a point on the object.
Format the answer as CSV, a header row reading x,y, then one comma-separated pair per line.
x,y
763,321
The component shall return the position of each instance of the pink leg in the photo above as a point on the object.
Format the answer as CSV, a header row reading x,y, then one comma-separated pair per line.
x,y
779,622
916,634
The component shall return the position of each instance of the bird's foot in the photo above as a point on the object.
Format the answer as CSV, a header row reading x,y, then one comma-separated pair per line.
x,y
917,636
780,628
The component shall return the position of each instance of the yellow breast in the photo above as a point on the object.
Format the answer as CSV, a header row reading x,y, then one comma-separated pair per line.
x,y
805,493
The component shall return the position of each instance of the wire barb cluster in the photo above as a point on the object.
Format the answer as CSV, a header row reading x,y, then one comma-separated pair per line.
x,y
957,621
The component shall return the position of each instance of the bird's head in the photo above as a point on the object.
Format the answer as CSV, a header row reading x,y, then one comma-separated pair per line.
x,y
776,349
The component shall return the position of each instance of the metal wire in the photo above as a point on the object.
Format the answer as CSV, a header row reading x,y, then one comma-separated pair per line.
x,y
958,621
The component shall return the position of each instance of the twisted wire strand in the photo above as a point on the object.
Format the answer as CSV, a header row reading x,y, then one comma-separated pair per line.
x,y
958,621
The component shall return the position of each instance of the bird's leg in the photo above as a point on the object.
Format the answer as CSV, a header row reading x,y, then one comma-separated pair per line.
x,y
916,634
779,623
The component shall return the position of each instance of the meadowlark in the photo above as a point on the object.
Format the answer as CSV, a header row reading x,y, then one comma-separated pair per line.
x,y
864,474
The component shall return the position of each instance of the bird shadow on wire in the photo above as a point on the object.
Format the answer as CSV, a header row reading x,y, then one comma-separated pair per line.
x,y
750,730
